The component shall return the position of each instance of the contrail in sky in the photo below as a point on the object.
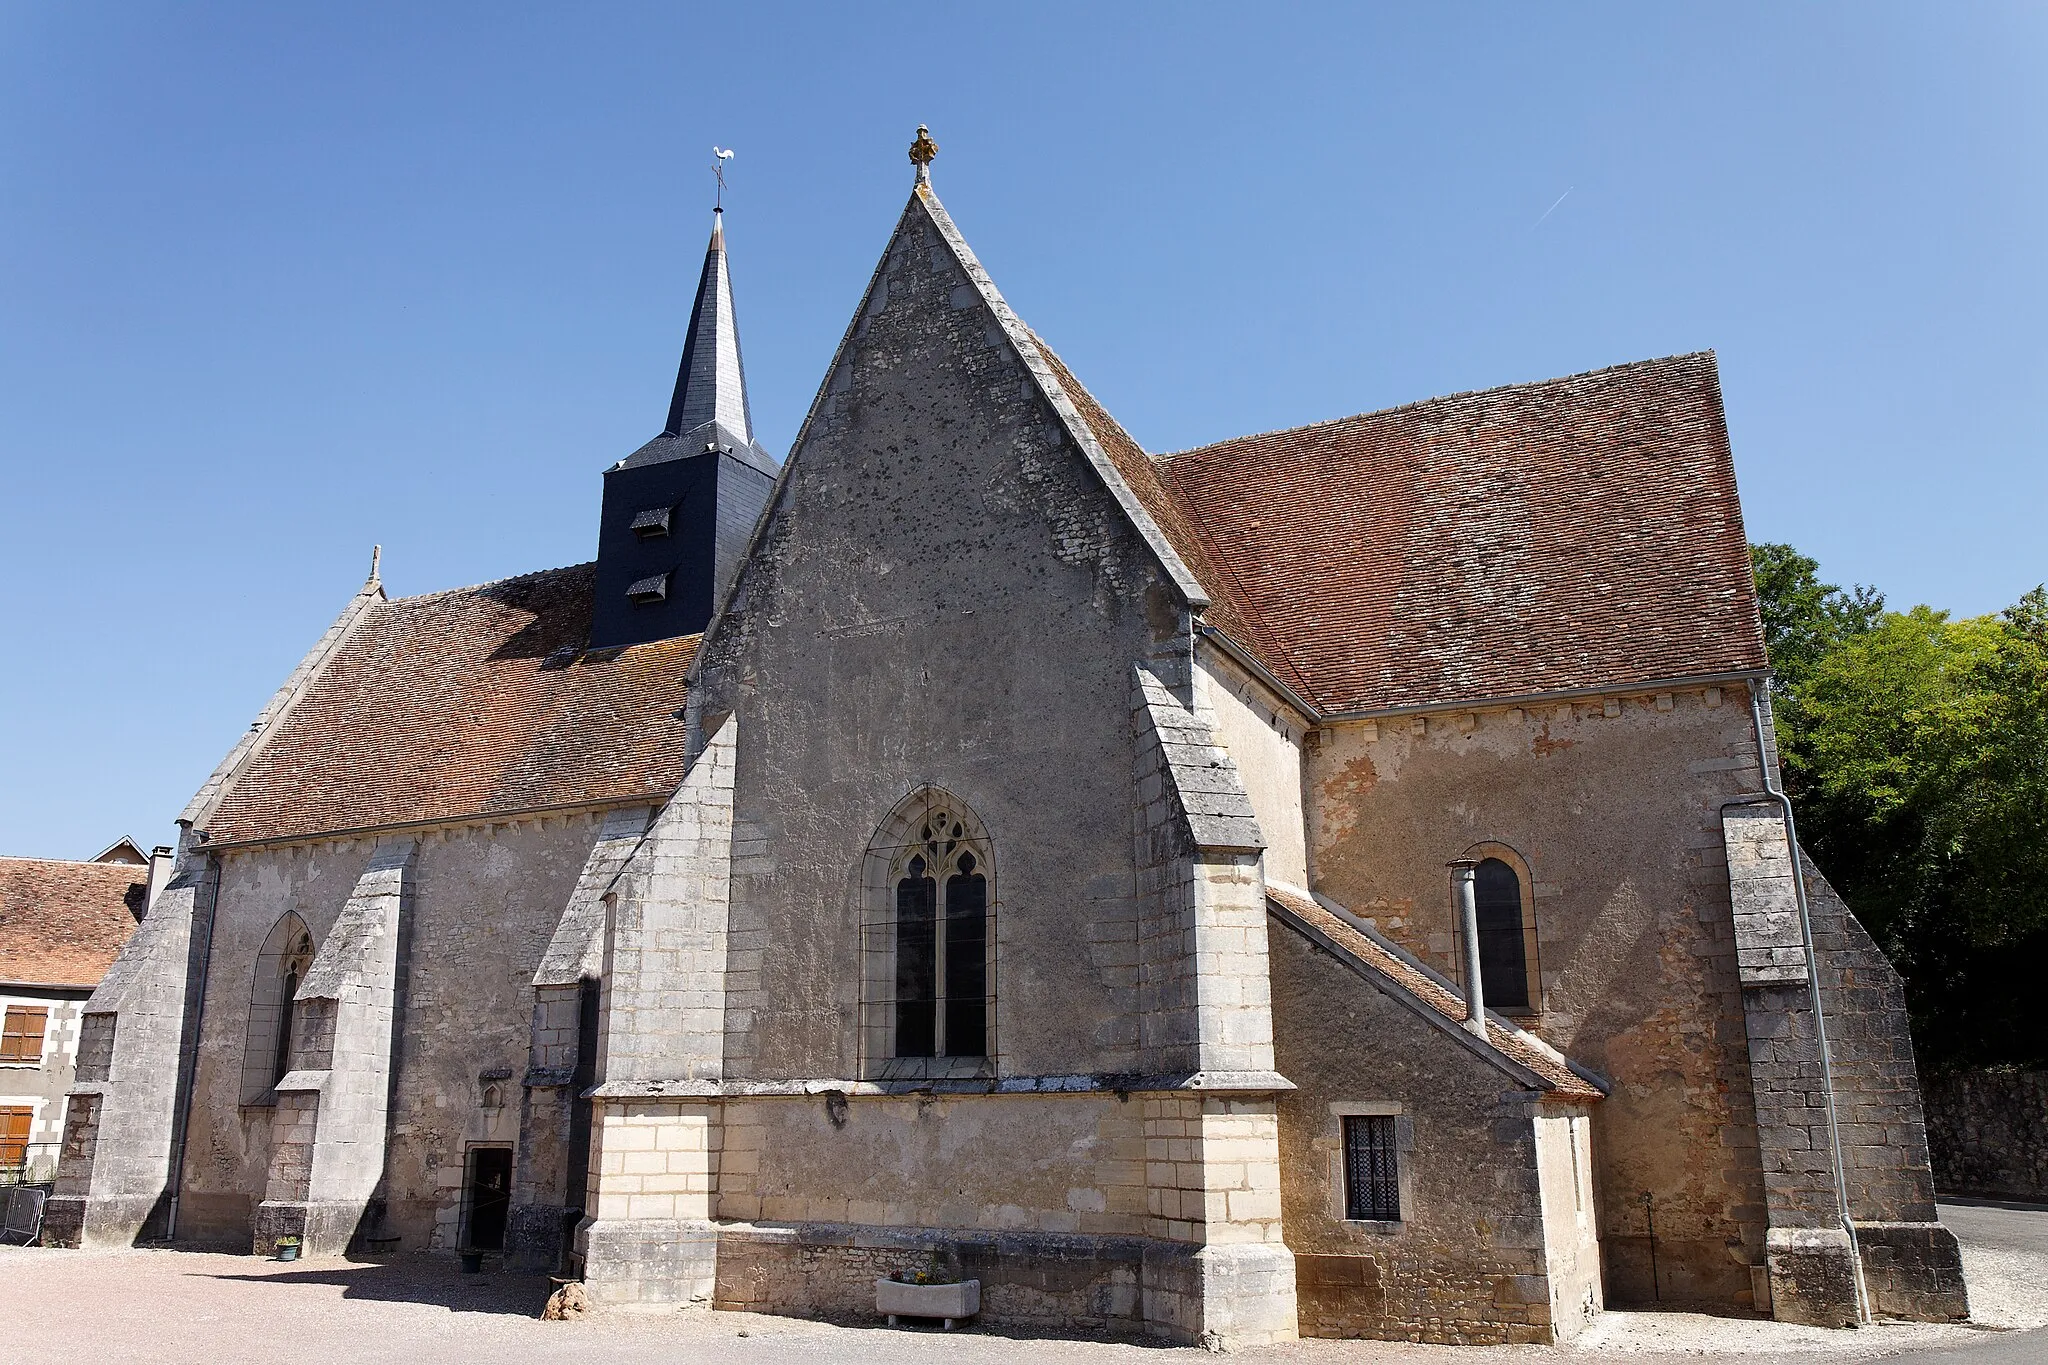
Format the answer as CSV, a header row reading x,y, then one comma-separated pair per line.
x,y
1553,208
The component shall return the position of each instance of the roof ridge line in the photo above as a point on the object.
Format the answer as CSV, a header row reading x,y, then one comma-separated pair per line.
x,y
487,583
1169,457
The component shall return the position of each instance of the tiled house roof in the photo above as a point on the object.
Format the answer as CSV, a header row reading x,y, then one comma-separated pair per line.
x,y
63,923
1391,970
1577,532
464,703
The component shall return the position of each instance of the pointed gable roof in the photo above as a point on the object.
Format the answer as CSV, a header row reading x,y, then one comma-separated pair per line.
x,y
710,405
1105,446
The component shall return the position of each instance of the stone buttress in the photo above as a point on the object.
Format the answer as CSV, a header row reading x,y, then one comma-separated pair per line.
x,y
1909,1264
137,1030
554,1120
1219,1270
647,1234
330,1129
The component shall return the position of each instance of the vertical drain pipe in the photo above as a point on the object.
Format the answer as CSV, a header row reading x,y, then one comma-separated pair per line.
x,y
1820,1022
1468,918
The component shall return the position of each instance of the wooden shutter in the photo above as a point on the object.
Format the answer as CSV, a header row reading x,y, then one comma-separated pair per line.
x,y
21,1038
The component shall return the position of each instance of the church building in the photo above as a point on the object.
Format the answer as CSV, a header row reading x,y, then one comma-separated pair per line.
x,y
1330,882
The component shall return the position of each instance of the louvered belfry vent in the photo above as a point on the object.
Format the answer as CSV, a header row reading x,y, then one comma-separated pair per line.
x,y
653,522
678,512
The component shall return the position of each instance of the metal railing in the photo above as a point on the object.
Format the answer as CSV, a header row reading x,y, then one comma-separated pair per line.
x,y
28,1163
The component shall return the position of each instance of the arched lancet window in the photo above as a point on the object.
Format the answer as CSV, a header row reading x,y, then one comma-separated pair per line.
x,y
1503,932
281,967
928,940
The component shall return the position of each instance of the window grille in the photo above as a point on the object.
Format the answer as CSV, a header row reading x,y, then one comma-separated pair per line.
x,y
927,941
21,1037
1372,1169
1503,956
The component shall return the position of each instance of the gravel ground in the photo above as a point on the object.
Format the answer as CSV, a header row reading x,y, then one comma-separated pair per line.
x,y
176,1306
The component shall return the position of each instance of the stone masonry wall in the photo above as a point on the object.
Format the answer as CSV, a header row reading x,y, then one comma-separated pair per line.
x,y
486,900
1989,1133
1614,804
945,592
1466,1262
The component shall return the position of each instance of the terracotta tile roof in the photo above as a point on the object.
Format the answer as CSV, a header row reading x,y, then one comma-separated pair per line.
x,y
63,923
1401,973
463,703
1577,532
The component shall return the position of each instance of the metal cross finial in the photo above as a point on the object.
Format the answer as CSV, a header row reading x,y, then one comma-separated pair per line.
x,y
720,155
921,153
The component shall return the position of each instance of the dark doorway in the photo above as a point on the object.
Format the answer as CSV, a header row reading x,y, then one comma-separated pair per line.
x,y
489,1195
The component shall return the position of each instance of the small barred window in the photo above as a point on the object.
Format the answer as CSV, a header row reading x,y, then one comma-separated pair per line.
x,y
1372,1169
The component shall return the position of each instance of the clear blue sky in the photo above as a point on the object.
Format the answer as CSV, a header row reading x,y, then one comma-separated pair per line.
x,y
280,281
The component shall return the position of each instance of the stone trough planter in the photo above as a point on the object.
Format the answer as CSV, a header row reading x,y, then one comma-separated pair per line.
x,y
950,1302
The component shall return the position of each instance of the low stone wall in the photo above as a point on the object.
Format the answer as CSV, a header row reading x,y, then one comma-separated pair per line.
x,y
1027,1279
1988,1133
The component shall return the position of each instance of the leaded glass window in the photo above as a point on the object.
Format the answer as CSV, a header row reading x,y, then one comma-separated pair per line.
x,y
928,940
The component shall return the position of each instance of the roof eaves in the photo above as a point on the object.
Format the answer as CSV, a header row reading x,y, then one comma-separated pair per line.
x,y
209,796
1394,990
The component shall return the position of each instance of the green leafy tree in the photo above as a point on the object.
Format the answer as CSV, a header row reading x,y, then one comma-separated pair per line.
x,y
1917,749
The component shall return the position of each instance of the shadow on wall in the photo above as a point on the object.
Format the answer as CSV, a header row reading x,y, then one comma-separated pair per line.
x,y
432,1280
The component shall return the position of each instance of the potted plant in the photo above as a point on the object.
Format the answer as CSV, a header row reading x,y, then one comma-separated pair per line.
x,y
287,1248
931,1291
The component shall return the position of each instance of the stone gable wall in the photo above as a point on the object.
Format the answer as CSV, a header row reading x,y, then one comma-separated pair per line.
x,y
945,592
1615,806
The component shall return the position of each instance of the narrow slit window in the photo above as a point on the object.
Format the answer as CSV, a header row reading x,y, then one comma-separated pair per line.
x,y
1372,1169
966,961
1503,958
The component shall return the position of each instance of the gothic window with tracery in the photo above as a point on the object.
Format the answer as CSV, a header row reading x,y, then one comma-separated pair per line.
x,y
281,967
928,940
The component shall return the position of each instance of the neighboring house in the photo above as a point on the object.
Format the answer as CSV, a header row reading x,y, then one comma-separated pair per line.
x,y
979,837
62,924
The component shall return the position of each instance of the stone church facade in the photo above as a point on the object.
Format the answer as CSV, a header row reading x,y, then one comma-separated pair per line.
x,y
978,838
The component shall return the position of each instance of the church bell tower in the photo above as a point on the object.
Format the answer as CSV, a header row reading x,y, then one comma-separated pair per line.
x,y
679,510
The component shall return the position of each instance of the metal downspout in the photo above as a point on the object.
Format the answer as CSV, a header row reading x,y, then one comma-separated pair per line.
x,y
1820,1023
1468,918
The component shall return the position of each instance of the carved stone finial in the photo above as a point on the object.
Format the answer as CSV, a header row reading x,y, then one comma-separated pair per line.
x,y
921,153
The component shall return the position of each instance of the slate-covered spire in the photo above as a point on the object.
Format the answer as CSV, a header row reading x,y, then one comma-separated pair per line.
x,y
679,510
711,384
